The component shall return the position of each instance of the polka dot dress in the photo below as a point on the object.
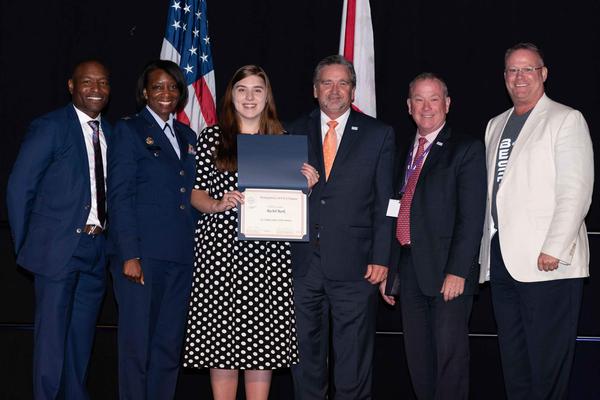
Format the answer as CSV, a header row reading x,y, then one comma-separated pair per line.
x,y
241,310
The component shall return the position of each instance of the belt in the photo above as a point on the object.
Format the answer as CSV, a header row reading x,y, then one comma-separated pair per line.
x,y
92,230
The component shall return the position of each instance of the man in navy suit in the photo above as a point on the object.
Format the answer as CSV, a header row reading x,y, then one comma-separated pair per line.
x,y
441,184
151,171
57,212
336,274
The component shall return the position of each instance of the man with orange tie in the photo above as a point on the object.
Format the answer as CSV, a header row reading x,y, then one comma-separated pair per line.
x,y
434,266
337,272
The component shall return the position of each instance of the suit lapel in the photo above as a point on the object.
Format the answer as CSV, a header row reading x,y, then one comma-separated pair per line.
x,y
436,149
491,147
105,128
182,142
76,133
315,139
153,130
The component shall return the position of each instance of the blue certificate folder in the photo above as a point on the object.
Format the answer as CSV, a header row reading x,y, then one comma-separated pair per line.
x,y
271,162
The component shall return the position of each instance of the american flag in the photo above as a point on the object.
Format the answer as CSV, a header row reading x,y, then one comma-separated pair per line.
x,y
187,43
356,45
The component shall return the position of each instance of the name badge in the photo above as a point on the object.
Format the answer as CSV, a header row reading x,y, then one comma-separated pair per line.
x,y
393,208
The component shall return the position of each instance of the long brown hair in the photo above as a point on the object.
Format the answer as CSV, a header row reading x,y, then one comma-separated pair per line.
x,y
226,149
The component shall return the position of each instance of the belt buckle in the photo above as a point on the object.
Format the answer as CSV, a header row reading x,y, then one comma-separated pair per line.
x,y
93,230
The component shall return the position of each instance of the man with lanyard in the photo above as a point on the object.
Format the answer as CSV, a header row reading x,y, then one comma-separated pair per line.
x,y
435,247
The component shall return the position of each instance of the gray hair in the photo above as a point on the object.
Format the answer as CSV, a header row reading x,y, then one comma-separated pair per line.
x,y
335,59
427,76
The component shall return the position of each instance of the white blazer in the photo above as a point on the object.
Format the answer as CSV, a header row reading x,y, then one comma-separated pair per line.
x,y
544,195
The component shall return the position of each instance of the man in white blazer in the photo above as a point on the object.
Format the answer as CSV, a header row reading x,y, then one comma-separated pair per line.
x,y
535,248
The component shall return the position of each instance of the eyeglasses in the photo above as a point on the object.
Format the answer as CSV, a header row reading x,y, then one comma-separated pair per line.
x,y
524,70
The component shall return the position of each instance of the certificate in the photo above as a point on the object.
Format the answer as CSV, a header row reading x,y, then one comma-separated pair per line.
x,y
273,213
275,191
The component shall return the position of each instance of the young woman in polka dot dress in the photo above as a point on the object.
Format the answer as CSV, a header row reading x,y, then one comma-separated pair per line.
x,y
241,313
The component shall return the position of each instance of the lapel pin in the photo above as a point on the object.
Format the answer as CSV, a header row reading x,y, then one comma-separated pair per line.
x,y
191,149
354,128
149,141
439,143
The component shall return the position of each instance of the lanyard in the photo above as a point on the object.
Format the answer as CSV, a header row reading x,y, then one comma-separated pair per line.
x,y
411,166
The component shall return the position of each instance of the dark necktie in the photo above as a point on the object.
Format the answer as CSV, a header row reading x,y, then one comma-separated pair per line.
x,y
98,172
168,130
403,223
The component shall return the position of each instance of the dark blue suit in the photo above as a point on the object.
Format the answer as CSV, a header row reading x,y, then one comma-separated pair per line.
x,y
446,224
49,198
348,231
151,219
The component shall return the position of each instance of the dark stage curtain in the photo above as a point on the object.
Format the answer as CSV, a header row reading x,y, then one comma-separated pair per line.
x,y
464,41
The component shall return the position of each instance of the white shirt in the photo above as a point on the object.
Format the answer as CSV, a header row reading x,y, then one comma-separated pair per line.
x,y
339,129
169,132
89,147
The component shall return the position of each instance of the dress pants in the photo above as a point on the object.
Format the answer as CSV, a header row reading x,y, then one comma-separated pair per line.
x,y
537,331
152,321
352,308
66,311
436,338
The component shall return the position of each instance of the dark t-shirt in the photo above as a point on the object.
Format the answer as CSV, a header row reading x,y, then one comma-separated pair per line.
x,y
507,141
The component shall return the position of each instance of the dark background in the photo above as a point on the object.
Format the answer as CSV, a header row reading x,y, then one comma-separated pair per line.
x,y
464,41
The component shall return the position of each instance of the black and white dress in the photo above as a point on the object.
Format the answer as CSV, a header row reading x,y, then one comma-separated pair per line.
x,y
241,312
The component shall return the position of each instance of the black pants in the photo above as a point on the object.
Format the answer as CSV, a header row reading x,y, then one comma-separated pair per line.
x,y
436,338
352,307
537,330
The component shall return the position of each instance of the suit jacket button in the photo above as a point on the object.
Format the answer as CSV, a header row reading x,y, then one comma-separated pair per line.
x,y
182,190
87,207
182,172
78,230
182,207
323,202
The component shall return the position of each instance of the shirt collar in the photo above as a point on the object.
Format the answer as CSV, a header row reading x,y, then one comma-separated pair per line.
x,y
160,121
84,118
431,136
341,120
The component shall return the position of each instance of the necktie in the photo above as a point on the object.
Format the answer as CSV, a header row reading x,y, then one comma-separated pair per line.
x,y
171,136
329,147
403,223
168,130
98,172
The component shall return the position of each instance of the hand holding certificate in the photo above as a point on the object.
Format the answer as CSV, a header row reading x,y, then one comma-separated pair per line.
x,y
275,191
273,213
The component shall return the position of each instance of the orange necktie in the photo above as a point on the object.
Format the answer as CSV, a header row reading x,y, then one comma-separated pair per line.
x,y
329,147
